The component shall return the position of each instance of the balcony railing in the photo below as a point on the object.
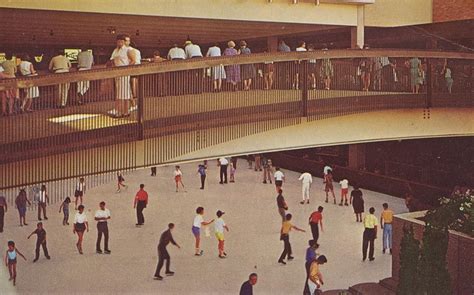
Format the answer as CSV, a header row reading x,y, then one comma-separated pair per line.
x,y
174,97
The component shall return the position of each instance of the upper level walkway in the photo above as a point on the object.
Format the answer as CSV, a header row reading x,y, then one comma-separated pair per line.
x,y
178,112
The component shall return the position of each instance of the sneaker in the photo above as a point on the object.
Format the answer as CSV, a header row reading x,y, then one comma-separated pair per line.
x,y
107,251
291,258
383,251
222,256
264,182
371,259
282,262
169,273
327,201
48,257
302,202
158,278
98,251
345,204
225,254
45,218
34,260
25,223
307,202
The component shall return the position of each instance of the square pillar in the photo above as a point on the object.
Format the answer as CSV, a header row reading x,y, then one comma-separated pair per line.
x,y
272,44
357,156
357,33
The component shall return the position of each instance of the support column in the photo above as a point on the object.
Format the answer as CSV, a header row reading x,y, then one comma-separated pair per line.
x,y
272,44
360,26
357,156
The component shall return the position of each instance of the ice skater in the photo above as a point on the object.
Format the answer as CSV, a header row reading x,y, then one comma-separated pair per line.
x,y
10,260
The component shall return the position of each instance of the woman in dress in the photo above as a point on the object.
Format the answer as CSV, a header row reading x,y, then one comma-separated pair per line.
x,y
248,70
232,71
415,73
80,225
20,202
326,71
329,186
357,203
218,72
27,69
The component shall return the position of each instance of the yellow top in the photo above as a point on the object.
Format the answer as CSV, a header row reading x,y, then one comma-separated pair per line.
x,y
314,272
286,227
370,221
387,216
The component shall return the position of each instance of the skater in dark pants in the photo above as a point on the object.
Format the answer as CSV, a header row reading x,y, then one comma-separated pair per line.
x,y
247,286
101,216
202,172
370,234
141,200
165,239
223,163
40,241
3,210
316,220
285,237
153,171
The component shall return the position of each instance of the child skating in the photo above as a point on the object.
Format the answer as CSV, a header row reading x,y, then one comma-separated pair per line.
x,y
65,207
120,182
11,260
344,190
178,175
232,173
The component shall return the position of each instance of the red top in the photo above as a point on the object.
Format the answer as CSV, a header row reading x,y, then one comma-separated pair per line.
x,y
315,217
142,196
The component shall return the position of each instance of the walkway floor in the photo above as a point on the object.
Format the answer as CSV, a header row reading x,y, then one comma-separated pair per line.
x,y
50,122
252,244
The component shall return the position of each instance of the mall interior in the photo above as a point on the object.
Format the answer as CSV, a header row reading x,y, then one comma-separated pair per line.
x,y
379,90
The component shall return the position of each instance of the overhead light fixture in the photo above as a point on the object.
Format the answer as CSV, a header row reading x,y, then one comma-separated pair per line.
x,y
295,1
111,30
137,33
316,2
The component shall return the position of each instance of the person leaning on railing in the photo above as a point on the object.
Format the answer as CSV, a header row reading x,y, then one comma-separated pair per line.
x,y
8,96
122,56
26,68
85,61
61,64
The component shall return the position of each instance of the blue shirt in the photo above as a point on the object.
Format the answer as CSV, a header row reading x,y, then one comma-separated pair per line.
x,y
310,254
284,48
202,170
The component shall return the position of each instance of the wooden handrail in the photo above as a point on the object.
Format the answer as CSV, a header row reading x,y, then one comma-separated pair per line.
x,y
172,66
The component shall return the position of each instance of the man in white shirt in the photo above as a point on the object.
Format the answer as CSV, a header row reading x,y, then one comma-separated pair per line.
x,y
101,216
122,56
279,178
61,64
85,60
223,163
192,50
219,227
134,79
176,53
306,179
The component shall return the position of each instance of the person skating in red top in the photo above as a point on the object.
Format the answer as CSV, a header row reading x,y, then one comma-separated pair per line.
x,y
140,202
315,220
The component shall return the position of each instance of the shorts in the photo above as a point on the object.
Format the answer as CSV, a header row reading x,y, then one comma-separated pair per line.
x,y
220,236
11,261
177,178
344,191
80,227
22,211
78,194
196,231
278,183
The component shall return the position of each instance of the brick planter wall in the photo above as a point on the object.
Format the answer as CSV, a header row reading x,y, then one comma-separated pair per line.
x,y
449,10
460,254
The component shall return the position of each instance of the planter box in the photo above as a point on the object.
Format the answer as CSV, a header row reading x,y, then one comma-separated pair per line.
x,y
460,256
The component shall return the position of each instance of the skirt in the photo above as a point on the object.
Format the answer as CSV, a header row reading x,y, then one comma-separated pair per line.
x,y
218,72
80,227
123,90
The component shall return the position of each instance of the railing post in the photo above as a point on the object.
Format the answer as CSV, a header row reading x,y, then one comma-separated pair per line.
x,y
303,77
429,84
140,110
